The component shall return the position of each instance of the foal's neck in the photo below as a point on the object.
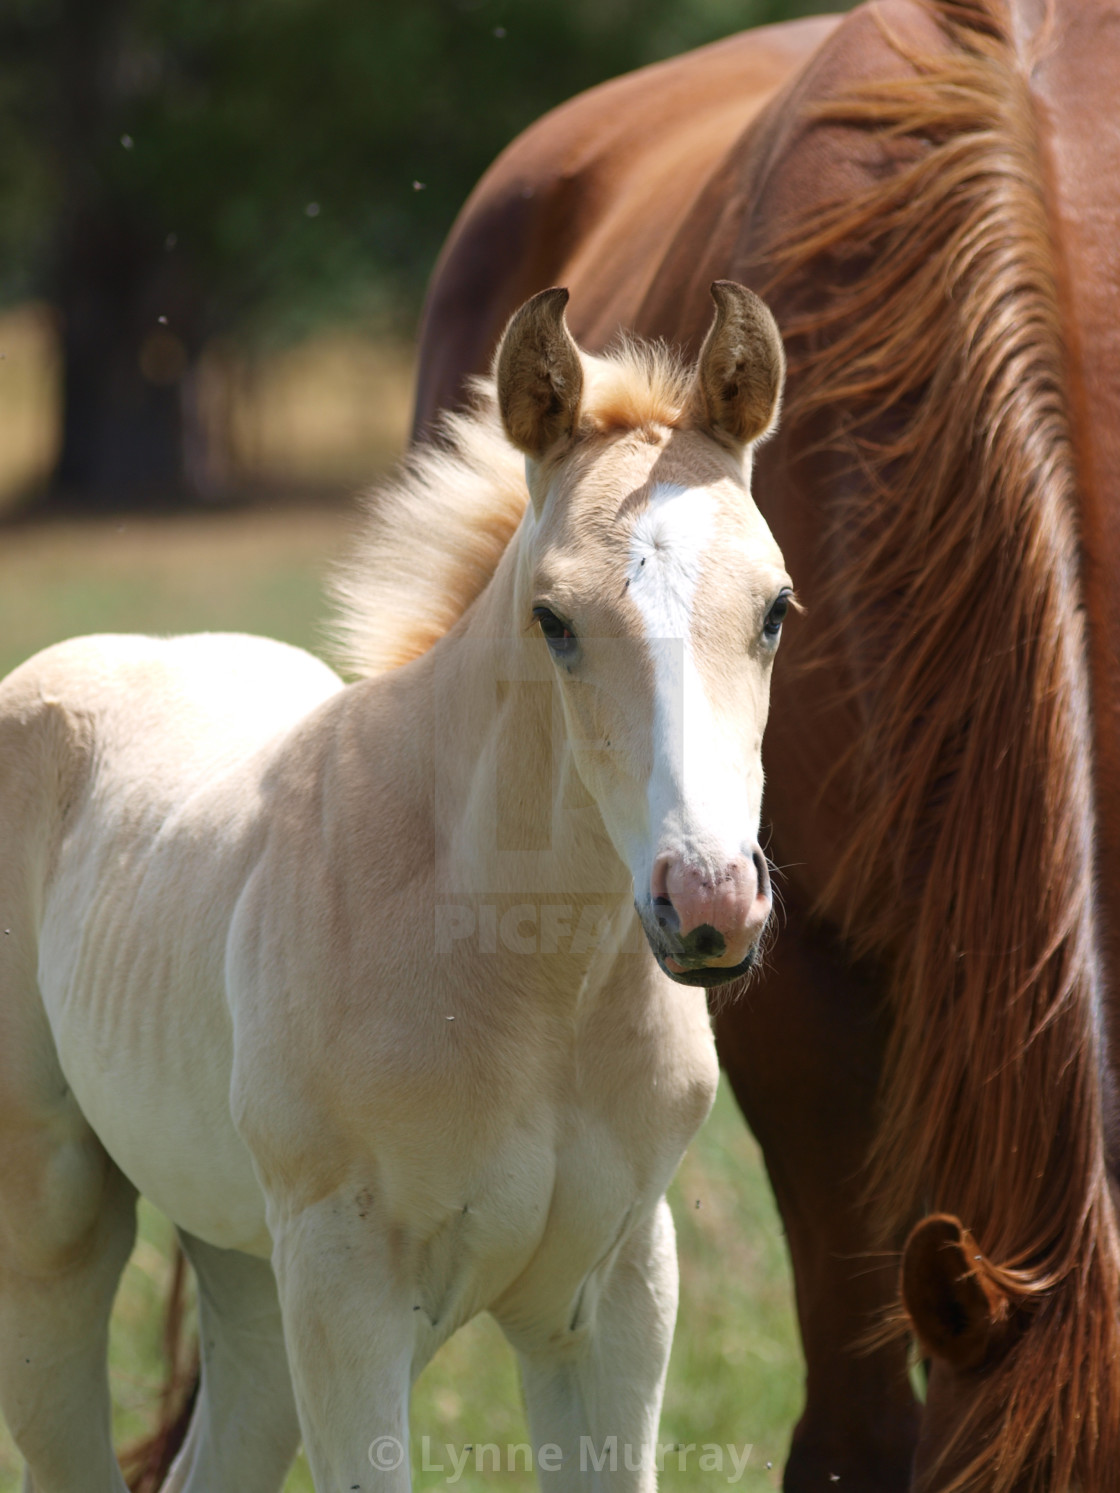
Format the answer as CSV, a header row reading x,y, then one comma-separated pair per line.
x,y
515,824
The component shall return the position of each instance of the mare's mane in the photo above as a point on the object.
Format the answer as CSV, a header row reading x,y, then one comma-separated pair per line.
x,y
433,535
925,335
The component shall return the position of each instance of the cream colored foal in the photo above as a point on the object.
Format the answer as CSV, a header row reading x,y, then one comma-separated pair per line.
x,y
391,995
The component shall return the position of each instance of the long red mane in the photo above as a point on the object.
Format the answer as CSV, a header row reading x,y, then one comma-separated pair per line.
x,y
934,326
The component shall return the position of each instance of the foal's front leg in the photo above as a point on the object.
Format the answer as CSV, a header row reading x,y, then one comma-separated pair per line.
x,y
594,1382
349,1329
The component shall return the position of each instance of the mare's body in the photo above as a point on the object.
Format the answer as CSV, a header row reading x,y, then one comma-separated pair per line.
x,y
928,197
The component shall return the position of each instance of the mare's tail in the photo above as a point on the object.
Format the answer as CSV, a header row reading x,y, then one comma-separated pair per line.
x,y
146,1463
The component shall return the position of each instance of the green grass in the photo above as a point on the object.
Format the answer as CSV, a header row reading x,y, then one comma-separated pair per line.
x,y
736,1369
257,571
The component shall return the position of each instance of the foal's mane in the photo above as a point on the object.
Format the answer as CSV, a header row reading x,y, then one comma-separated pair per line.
x,y
433,535
955,609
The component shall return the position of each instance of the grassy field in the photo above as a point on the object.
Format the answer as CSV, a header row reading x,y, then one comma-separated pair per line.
x,y
736,1368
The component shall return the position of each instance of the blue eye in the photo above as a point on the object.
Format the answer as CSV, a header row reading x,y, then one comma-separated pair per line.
x,y
557,634
772,627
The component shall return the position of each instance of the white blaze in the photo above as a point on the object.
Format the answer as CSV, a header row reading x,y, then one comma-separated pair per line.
x,y
699,799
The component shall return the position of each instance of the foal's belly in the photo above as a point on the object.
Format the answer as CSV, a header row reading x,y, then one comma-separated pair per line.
x,y
143,1036
136,909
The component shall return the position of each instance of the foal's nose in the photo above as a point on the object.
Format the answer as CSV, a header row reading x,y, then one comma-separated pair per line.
x,y
716,917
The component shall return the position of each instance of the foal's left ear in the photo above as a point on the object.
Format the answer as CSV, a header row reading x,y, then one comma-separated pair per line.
x,y
539,375
741,369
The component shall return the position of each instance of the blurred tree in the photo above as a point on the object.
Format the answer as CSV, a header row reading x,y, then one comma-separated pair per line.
x,y
175,168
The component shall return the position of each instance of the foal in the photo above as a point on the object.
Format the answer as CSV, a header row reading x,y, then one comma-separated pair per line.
x,y
391,995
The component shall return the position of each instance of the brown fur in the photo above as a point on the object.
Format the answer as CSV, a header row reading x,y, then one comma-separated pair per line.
x,y
964,596
955,1299
741,367
146,1463
539,375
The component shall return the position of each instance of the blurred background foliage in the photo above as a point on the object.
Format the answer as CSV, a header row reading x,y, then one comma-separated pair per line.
x,y
179,176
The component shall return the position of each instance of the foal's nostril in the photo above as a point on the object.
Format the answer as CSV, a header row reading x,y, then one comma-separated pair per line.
x,y
666,915
762,870
704,942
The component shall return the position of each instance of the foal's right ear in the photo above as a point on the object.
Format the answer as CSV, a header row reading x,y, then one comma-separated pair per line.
x,y
539,375
958,1309
741,368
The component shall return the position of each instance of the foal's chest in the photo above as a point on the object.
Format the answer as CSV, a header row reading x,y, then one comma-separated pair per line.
x,y
581,1162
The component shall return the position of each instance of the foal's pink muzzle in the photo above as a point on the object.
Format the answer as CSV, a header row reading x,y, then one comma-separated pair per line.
x,y
709,922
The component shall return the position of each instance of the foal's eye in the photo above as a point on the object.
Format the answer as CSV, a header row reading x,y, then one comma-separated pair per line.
x,y
772,627
557,634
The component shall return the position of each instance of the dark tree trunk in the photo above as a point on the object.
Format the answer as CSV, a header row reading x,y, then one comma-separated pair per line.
x,y
124,434
131,317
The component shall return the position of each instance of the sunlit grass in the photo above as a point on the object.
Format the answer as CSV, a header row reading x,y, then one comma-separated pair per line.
x,y
242,571
736,1369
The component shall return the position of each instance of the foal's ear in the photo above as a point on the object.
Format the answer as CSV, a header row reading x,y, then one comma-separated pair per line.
x,y
539,375
741,369
959,1311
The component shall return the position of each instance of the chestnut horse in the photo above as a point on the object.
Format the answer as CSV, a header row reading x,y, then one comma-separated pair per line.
x,y
928,195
